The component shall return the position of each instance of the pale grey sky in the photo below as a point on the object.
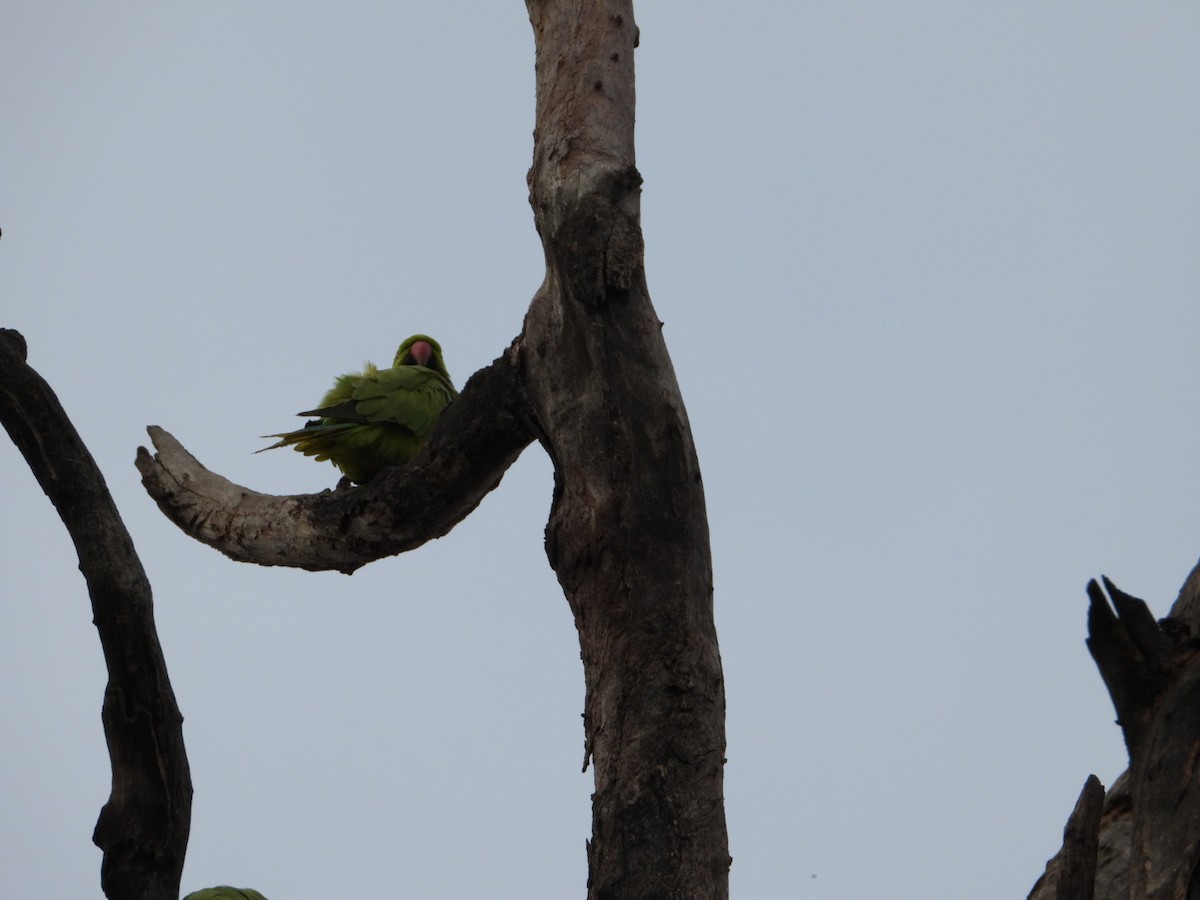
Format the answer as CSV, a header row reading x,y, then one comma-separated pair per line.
x,y
929,278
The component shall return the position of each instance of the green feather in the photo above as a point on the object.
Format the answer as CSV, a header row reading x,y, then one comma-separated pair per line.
x,y
224,892
378,417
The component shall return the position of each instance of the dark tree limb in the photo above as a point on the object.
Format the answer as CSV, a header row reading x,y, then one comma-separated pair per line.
x,y
1099,827
1081,843
143,828
1133,655
1152,671
481,434
1165,776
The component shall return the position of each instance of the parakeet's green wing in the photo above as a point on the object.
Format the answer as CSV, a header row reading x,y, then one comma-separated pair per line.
x,y
378,418
224,892
343,388
411,396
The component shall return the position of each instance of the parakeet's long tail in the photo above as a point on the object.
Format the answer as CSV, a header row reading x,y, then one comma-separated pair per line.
x,y
316,438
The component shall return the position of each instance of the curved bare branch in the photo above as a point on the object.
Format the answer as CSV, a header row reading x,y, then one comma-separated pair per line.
x,y
479,436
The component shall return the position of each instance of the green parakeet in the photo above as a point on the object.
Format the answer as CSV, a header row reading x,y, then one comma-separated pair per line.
x,y
224,892
379,417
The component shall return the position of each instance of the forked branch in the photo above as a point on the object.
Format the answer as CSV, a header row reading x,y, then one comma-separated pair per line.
x,y
478,437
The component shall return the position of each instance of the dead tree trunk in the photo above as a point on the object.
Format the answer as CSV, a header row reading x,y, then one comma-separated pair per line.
x,y
590,379
143,828
1149,834
628,533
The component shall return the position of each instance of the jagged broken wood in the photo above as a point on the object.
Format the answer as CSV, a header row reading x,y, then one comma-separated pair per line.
x,y
1148,845
1081,840
1105,839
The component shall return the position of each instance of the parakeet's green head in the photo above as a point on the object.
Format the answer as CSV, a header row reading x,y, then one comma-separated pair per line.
x,y
421,350
225,892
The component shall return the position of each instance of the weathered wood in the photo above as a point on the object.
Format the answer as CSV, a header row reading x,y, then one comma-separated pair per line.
x,y
1113,839
1081,840
143,828
479,437
1154,681
1132,654
628,534
1150,846
1116,840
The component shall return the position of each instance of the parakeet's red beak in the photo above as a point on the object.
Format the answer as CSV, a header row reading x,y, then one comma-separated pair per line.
x,y
421,352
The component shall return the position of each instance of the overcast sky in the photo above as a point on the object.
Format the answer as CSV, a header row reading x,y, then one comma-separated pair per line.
x,y
930,280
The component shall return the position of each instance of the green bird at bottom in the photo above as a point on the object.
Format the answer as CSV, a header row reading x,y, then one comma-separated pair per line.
x,y
225,892
378,417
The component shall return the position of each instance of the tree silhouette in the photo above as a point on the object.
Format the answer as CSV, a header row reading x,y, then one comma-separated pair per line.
x,y
1141,839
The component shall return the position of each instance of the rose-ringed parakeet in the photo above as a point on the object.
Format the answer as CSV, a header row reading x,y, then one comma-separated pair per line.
x,y
379,417
224,892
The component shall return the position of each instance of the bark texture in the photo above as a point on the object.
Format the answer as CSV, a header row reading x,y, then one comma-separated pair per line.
x,y
1081,842
1149,836
591,380
628,533
1112,837
1071,874
143,828
479,436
